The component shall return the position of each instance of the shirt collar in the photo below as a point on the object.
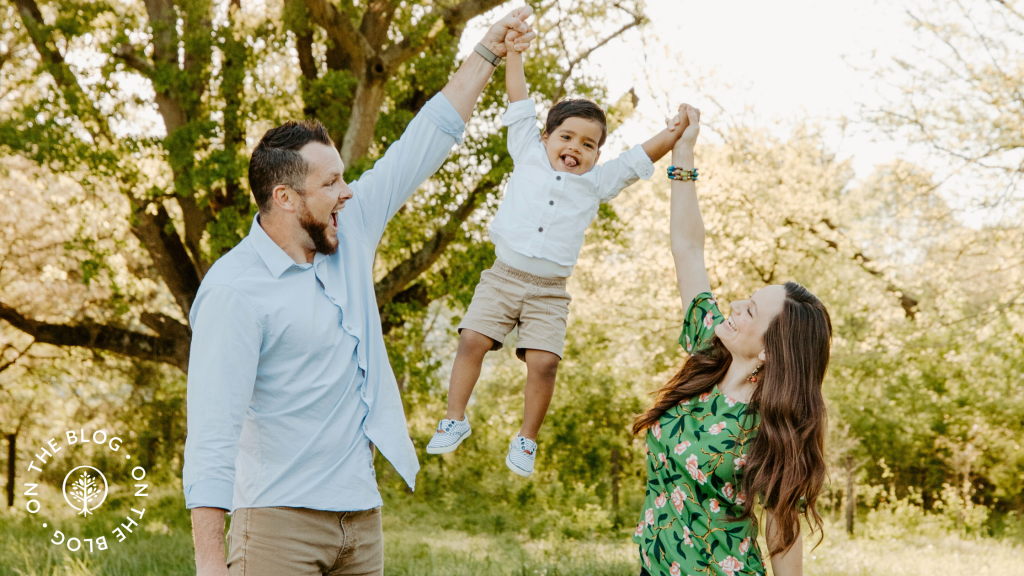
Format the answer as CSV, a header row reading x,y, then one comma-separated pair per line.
x,y
273,256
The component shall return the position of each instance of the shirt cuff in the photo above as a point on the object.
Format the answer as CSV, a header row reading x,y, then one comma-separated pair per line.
x,y
209,494
639,161
518,111
441,112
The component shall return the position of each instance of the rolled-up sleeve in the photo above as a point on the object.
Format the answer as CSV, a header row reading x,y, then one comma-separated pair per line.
x,y
623,171
421,150
227,334
521,121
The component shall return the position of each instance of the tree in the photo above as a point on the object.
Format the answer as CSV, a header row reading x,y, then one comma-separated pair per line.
x,y
958,95
151,107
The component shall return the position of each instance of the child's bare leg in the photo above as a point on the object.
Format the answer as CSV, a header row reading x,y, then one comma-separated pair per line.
x,y
541,369
466,371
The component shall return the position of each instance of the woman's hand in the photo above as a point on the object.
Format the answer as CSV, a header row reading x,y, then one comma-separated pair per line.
x,y
691,130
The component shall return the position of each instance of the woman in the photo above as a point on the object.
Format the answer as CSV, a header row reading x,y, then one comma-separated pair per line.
x,y
742,422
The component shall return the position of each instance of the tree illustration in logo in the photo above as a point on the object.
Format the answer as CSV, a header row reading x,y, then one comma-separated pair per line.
x,y
86,491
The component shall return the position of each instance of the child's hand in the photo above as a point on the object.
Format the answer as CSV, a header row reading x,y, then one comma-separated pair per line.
x,y
514,42
688,136
678,123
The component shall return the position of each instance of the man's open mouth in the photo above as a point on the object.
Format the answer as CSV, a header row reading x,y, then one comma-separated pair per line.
x,y
334,219
569,161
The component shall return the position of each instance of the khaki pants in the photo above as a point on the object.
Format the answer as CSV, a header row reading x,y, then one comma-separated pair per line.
x,y
304,542
507,296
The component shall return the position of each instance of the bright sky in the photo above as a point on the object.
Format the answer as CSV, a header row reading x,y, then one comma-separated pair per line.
x,y
789,59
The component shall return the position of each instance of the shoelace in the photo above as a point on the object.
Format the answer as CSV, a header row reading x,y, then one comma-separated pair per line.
x,y
523,445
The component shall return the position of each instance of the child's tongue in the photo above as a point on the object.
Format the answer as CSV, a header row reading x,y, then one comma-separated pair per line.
x,y
569,161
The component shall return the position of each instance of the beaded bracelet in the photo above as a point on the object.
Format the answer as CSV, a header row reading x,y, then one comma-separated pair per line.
x,y
682,174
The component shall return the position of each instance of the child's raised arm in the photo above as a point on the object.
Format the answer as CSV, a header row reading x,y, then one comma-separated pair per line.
x,y
515,74
662,142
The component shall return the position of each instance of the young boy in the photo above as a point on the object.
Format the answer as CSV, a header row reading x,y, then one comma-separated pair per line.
x,y
551,199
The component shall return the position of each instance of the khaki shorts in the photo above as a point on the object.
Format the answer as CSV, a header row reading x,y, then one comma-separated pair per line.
x,y
507,296
304,542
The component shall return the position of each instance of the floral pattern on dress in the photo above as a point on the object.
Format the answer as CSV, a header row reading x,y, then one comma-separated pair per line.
x,y
695,462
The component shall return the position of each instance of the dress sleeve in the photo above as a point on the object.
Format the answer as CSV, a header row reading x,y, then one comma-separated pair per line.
x,y
699,323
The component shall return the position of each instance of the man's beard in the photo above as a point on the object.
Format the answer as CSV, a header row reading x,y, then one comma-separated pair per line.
x,y
317,231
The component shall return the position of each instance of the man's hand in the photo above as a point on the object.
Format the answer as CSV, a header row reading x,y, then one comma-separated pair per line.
x,y
465,87
208,536
515,21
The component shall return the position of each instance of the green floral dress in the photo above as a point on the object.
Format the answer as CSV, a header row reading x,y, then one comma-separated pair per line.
x,y
695,459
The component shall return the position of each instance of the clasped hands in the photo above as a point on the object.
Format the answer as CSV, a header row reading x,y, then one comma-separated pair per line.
x,y
513,33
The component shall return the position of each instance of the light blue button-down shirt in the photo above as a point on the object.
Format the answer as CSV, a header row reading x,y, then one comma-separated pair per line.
x,y
288,379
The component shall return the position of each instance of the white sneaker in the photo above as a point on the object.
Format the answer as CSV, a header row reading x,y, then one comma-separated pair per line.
x,y
450,433
521,454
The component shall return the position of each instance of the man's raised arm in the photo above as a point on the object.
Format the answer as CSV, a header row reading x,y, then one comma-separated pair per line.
x,y
426,142
464,89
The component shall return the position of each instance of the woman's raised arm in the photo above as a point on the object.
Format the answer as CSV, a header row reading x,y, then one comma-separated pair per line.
x,y
687,227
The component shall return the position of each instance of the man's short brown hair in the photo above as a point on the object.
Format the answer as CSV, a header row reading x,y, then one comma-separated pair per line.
x,y
276,159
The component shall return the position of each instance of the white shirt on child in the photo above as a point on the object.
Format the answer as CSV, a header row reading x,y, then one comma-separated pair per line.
x,y
545,213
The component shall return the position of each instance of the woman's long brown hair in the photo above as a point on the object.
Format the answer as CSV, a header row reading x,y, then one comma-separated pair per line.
x,y
786,462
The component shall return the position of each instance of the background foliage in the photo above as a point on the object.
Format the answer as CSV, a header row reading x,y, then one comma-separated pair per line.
x,y
125,128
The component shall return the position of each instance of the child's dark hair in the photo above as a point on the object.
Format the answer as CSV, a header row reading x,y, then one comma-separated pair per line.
x,y
577,108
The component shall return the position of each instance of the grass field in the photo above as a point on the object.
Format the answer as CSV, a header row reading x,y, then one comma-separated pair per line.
x,y
415,544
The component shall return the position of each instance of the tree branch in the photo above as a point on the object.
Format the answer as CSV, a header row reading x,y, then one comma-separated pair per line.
x,y
171,351
9,363
166,326
340,30
133,60
638,19
417,293
297,21
376,21
54,63
403,274
452,17
908,303
171,260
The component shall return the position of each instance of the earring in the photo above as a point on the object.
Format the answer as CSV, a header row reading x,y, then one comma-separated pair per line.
x,y
753,375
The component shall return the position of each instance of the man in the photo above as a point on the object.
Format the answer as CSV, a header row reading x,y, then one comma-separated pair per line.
x,y
289,381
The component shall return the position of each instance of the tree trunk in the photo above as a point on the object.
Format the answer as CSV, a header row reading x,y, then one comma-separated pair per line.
x,y
837,504
851,496
12,443
615,469
366,107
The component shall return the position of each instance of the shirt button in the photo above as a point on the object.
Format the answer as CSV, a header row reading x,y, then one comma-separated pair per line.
x,y
551,202
558,177
540,229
